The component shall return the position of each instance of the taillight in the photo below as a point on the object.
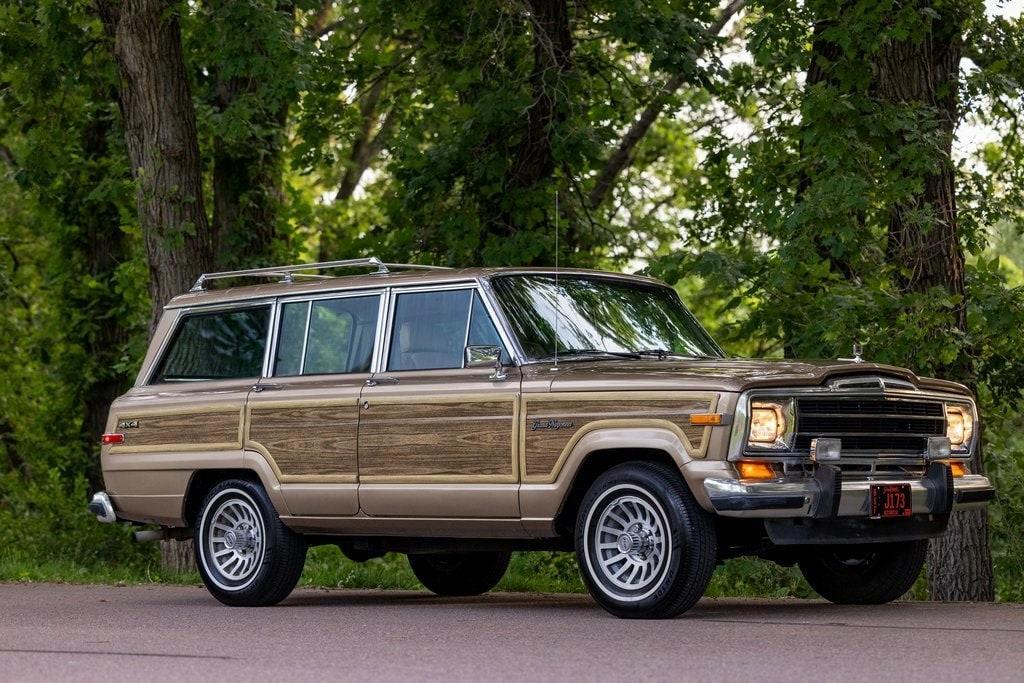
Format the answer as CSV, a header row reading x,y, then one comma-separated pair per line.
x,y
108,439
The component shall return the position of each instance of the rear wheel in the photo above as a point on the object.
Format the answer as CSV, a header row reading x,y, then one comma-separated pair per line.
x,y
452,574
245,555
864,574
645,547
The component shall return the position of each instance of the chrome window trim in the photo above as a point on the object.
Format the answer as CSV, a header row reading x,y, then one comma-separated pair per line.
x,y
280,301
493,307
305,337
469,323
741,423
182,313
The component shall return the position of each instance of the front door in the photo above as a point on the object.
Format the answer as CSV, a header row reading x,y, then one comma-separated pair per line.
x,y
437,439
303,418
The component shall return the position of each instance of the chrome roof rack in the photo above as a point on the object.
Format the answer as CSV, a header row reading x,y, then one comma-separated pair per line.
x,y
289,273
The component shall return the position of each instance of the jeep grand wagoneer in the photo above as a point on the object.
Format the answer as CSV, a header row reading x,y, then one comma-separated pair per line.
x,y
458,415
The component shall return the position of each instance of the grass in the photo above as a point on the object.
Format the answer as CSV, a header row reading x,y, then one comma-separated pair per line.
x,y
326,567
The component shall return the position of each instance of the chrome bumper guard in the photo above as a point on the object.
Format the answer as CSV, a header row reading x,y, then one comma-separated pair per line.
x,y
101,506
827,495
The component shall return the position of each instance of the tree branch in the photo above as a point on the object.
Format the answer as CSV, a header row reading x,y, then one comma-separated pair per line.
x,y
623,155
8,156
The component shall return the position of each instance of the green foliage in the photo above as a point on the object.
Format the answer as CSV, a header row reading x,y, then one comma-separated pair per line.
x,y
403,129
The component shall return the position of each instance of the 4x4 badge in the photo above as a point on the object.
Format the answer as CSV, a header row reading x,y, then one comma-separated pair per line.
x,y
127,424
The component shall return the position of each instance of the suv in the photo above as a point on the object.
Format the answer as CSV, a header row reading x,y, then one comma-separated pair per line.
x,y
458,415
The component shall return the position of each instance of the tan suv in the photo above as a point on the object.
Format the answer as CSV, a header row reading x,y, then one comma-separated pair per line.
x,y
458,415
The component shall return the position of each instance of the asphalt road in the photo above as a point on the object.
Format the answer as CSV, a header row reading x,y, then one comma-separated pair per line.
x,y
59,632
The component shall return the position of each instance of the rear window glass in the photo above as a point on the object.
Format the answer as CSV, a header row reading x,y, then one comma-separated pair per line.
x,y
219,345
328,336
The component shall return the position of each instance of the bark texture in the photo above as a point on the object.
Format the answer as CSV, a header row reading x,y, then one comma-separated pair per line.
x,y
924,72
160,133
533,158
102,247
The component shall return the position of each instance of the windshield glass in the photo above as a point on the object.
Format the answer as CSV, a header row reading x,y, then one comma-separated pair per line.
x,y
599,317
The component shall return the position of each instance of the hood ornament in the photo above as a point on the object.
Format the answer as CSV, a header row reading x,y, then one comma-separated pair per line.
x,y
858,349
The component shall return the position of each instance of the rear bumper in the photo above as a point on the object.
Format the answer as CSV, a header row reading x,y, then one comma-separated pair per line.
x,y
820,498
101,506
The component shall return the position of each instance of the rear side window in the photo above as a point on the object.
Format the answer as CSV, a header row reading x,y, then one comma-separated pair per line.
x,y
219,345
329,336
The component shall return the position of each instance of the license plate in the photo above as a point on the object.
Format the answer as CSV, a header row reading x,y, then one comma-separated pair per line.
x,y
890,500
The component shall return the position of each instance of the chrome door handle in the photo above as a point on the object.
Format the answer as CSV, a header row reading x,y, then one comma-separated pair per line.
x,y
266,387
374,381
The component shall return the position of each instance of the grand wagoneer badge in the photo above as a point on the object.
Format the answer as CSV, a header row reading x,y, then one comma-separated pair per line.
x,y
551,424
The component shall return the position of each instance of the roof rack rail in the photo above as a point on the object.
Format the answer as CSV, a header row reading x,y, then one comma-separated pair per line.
x,y
289,273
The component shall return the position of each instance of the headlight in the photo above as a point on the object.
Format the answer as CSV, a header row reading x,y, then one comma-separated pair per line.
x,y
959,426
771,425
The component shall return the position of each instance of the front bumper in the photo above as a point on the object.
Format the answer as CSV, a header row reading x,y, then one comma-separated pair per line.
x,y
819,497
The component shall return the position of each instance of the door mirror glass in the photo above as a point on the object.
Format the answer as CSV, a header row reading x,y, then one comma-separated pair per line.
x,y
483,356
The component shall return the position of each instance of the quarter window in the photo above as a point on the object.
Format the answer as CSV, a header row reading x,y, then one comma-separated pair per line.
x,y
219,345
328,336
432,329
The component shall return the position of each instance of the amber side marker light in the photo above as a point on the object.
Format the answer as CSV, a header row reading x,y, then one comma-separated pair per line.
x,y
755,470
108,439
706,419
959,469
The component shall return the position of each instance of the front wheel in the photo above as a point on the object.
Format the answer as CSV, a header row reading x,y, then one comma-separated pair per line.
x,y
864,574
245,554
645,547
458,574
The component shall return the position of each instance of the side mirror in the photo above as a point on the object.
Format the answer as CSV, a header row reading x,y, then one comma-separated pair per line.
x,y
485,357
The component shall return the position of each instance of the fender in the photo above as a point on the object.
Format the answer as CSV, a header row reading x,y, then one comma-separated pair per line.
x,y
160,482
541,501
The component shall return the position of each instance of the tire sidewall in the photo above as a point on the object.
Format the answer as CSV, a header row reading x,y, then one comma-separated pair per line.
x,y
263,580
682,566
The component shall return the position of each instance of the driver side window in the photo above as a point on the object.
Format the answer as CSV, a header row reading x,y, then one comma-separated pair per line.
x,y
431,330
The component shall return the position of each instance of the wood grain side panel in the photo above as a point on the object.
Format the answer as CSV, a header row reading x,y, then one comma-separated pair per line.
x,y
199,428
547,428
308,440
423,439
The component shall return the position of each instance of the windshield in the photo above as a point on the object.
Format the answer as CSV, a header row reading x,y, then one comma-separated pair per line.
x,y
599,317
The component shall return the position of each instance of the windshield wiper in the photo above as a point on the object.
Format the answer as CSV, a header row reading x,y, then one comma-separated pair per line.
x,y
599,353
661,354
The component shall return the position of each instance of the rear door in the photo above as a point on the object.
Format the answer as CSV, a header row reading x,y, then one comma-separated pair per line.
x,y
437,439
303,417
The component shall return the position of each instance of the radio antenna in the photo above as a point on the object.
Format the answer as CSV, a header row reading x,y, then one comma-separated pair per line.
x,y
558,291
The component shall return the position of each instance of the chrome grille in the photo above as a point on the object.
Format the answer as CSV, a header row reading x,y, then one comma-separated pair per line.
x,y
885,425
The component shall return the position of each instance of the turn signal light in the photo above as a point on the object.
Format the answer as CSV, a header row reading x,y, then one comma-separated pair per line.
x,y
755,470
959,469
108,439
706,419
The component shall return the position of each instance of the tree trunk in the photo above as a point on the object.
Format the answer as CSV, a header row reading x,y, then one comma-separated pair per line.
x,y
930,254
103,246
247,171
160,134
531,159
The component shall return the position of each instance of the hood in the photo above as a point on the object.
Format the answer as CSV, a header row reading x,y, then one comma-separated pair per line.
x,y
717,374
